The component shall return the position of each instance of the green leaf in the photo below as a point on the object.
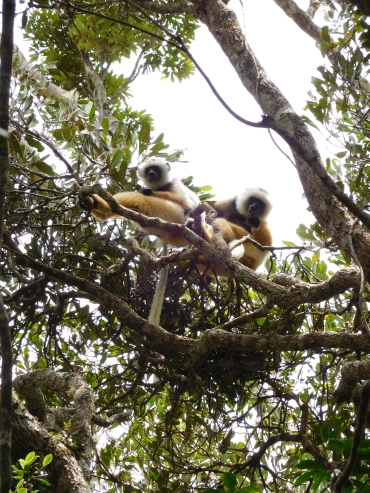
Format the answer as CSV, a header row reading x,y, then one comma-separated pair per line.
x,y
144,137
364,454
335,445
15,144
159,138
24,19
44,168
252,488
225,442
325,33
156,148
325,427
30,458
304,233
361,470
312,465
229,480
347,447
63,134
337,431
303,478
105,124
319,478
34,143
47,459
42,481
117,158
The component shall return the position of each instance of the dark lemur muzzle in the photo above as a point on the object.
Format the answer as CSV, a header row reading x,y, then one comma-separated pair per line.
x,y
153,173
152,176
253,208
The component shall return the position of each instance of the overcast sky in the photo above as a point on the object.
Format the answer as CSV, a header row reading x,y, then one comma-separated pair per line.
x,y
221,151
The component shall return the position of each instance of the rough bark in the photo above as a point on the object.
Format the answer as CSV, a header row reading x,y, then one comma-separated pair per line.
x,y
283,296
301,18
331,215
6,55
29,435
352,373
29,386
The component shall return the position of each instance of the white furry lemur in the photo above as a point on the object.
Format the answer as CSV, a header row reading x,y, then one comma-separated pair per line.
x,y
243,215
166,198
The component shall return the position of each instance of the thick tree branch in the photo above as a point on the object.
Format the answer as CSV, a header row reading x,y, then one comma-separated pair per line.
x,y
330,214
301,18
298,293
29,386
44,87
29,435
283,296
351,373
308,446
6,55
100,95
311,158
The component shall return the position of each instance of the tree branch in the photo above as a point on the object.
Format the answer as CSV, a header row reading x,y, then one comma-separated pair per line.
x,y
351,373
29,435
301,18
29,386
357,438
224,26
6,55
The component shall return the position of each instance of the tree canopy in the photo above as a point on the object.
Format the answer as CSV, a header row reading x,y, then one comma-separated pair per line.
x,y
258,382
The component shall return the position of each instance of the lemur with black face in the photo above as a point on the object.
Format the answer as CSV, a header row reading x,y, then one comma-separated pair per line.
x,y
240,216
166,198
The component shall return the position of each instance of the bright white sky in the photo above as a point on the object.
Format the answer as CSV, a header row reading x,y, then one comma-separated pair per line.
x,y
220,151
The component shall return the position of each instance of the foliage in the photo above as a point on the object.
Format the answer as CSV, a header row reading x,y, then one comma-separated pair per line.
x,y
230,483
231,419
28,474
342,97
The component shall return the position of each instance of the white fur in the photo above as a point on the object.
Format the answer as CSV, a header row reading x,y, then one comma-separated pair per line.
x,y
157,303
259,193
165,168
238,251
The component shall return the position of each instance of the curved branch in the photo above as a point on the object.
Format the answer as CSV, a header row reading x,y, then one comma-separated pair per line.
x,y
351,373
216,338
308,446
29,435
298,293
29,386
